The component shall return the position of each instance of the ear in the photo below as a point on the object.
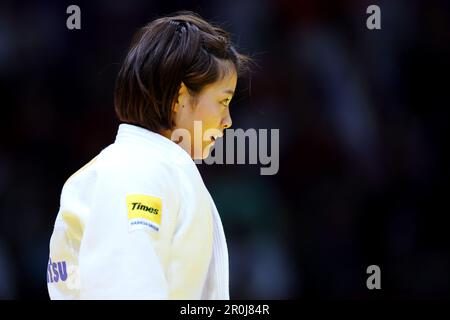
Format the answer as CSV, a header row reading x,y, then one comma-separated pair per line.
x,y
181,98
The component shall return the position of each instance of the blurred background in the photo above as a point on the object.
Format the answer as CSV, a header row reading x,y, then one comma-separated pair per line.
x,y
363,177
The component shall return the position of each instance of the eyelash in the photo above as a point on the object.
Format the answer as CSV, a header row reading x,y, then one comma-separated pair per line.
x,y
226,102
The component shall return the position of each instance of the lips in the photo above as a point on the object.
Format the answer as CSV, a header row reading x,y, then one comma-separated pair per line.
x,y
214,137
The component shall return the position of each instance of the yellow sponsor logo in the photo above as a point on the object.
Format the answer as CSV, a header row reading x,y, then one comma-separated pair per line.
x,y
144,210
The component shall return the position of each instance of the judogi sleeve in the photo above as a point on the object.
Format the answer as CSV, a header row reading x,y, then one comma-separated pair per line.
x,y
125,250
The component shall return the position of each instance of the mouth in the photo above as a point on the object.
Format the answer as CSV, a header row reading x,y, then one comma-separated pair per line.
x,y
214,137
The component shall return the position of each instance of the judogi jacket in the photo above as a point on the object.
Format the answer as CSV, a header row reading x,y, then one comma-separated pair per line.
x,y
137,222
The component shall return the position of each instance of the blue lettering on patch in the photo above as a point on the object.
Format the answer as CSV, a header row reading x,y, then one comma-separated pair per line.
x,y
56,271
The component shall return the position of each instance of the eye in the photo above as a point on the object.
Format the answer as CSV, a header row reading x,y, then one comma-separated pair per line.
x,y
226,102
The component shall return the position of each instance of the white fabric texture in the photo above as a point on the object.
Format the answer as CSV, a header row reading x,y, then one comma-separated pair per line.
x,y
95,251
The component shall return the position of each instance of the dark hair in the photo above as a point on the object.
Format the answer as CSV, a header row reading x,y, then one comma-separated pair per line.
x,y
166,52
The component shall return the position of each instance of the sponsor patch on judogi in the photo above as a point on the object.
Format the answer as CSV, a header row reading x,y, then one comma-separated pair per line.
x,y
143,212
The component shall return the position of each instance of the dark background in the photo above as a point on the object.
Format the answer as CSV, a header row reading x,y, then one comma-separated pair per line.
x,y
363,122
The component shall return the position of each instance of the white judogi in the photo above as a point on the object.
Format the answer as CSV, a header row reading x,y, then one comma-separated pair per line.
x,y
137,222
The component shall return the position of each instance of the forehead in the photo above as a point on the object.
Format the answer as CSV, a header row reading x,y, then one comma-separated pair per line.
x,y
227,80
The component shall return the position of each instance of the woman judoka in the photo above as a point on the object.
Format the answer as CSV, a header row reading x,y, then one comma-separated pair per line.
x,y
137,221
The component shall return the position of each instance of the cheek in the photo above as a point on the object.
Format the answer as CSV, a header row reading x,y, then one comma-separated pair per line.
x,y
209,114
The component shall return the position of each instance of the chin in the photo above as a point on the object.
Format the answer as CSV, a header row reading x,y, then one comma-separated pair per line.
x,y
201,155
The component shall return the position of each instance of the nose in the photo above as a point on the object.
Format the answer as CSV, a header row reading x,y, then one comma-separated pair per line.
x,y
227,122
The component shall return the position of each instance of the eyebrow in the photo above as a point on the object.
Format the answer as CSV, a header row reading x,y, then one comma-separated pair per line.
x,y
229,91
